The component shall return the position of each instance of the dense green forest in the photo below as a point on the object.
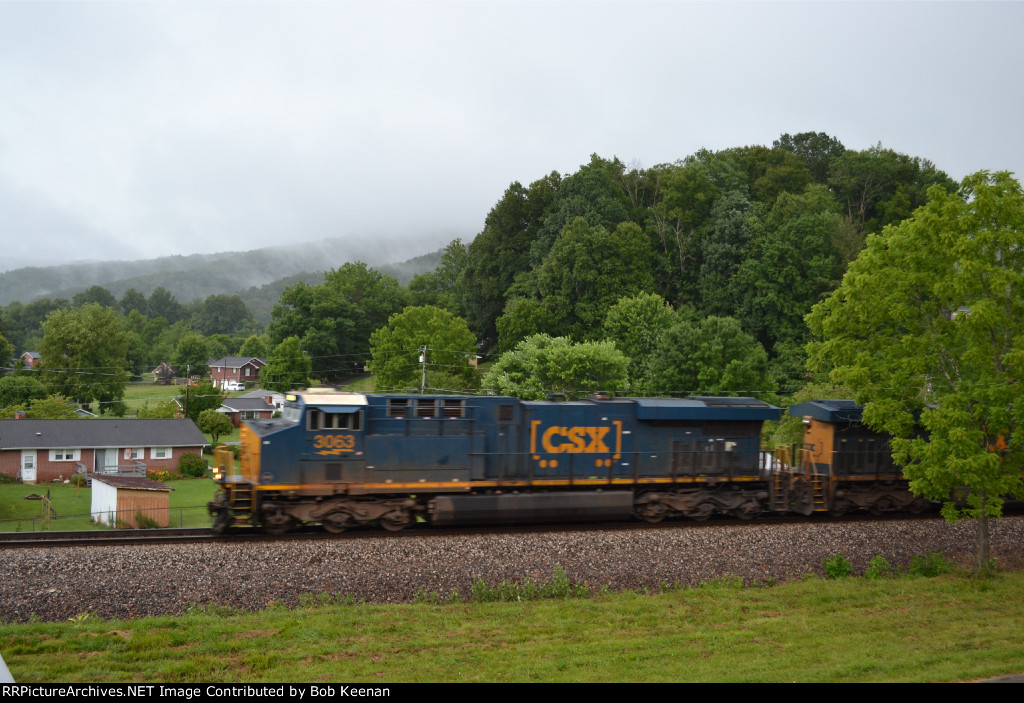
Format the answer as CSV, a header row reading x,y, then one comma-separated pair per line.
x,y
686,277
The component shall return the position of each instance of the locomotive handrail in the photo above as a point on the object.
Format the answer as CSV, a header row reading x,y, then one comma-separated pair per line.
x,y
225,461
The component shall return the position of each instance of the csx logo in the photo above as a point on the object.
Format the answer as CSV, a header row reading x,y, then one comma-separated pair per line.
x,y
558,439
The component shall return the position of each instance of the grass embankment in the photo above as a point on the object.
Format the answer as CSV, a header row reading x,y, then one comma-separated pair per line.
x,y
950,628
73,504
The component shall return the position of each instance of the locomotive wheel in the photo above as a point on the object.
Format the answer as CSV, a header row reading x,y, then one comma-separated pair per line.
x,y
702,512
652,513
222,521
336,522
747,511
839,507
277,524
919,506
394,521
882,505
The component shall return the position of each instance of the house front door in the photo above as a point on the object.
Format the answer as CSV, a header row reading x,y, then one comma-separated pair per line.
x,y
28,465
106,461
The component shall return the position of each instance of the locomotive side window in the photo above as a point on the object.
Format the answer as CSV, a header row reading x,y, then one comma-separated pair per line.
x,y
398,407
506,413
454,408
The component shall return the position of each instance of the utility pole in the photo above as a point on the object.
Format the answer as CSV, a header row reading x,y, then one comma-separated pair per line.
x,y
423,373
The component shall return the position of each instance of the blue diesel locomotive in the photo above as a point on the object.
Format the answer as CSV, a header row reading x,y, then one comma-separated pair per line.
x,y
346,459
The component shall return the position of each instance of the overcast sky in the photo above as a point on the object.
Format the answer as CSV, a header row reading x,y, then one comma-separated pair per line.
x,y
134,130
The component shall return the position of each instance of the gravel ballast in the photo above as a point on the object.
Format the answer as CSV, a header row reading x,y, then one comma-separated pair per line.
x,y
54,584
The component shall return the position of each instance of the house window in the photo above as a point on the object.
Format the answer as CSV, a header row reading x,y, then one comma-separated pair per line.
x,y
135,453
248,371
160,453
65,454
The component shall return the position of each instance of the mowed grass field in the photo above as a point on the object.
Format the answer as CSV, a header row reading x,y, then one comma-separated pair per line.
x,y
943,629
72,505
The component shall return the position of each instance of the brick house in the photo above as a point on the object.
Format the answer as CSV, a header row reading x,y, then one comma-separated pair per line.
x,y
258,405
241,369
30,359
48,450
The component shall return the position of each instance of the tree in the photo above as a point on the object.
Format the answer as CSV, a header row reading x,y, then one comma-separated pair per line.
x,y
6,354
788,267
636,325
587,270
20,389
288,367
202,396
222,314
927,328
191,355
84,353
450,349
95,294
444,287
52,408
254,346
817,149
133,300
214,423
335,319
163,304
502,250
541,364
710,357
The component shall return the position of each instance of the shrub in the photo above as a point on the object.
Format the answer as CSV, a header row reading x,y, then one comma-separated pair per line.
x,y
929,564
837,566
145,522
192,465
879,568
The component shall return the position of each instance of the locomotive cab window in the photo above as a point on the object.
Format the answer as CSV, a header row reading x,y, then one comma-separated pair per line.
x,y
323,420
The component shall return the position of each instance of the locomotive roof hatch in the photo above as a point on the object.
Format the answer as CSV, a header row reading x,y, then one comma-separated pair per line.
x,y
705,408
328,398
828,410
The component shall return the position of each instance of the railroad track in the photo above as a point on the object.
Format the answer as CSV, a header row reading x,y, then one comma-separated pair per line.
x,y
206,535
87,537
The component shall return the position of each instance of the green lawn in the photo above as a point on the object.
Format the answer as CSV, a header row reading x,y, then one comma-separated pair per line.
x,y
950,628
72,504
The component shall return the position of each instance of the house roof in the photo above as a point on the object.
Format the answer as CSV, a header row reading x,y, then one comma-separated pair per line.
x,y
241,403
85,434
236,362
263,393
135,483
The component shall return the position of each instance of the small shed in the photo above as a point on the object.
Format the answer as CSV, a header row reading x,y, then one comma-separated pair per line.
x,y
122,500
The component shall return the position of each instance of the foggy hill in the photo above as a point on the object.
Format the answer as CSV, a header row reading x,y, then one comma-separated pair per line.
x,y
202,275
